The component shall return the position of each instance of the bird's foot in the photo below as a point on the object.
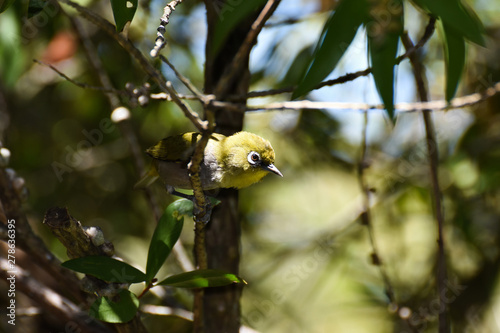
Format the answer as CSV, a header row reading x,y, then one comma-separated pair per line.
x,y
171,190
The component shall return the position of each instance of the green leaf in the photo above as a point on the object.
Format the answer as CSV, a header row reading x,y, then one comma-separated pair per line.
x,y
106,268
182,207
383,43
167,232
299,66
123,12
202,278
4,4
337,35
457,16
455,59
121,309
229,15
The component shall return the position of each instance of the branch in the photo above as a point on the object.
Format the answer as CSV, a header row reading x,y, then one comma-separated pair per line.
x,y
366,220
82,242
159,310
204,99
80,84
11,205
432,150
429,30
363,164
160,40
234,69
202,212
438,105
78,241
166,97
166,86
127,131
288,21
51,301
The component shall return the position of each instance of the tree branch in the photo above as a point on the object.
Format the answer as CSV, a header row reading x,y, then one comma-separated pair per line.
x,y
51,301
31,243
82,85
80,242
128,133
366,220
363,164
429,30
204,99
432,150
438,105
202,213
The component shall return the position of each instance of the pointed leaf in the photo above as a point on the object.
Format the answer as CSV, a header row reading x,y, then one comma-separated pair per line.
x,y
121,309
106,268
458,17
338,33
123,12
383,44
299,66
202,278
229,15
455,59
165,235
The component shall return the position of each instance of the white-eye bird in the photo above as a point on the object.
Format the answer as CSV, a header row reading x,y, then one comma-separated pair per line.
x,y
234,161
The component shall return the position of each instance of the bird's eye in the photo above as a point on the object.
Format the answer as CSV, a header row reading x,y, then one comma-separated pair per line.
x,y
253,157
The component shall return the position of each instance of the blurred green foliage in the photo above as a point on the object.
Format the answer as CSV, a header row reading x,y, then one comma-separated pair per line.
x,y
306,257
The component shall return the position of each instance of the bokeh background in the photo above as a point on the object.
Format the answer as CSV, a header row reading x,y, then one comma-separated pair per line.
x,y
305,255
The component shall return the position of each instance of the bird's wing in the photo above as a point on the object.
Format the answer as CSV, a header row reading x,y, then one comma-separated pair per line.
x,y
178,148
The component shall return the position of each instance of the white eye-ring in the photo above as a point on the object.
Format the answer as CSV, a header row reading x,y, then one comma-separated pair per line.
x,y
253,158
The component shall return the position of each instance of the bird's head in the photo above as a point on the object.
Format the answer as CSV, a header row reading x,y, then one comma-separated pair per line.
x,y
246,158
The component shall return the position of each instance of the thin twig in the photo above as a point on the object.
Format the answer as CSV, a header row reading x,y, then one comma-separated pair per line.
x,y
166,86
166,97
366,220
160,41
202,213
438,105
366,215
429,30
81,84
197,93
288,21
234,69
432,150
35,248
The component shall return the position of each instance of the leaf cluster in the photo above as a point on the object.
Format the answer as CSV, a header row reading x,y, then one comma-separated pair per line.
x,y
125,304
384,24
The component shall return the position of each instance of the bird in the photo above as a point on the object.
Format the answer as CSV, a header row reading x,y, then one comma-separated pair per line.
x,y
235,161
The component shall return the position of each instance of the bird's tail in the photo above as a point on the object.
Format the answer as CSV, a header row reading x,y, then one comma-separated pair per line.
x,y
149,178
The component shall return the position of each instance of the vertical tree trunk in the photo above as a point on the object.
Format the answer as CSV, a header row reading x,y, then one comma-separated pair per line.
x,y
221,306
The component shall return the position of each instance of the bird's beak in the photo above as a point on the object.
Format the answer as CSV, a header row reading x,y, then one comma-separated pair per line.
x,y
273,169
